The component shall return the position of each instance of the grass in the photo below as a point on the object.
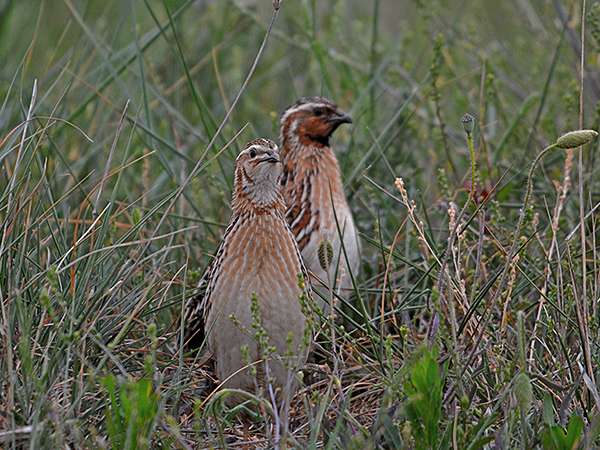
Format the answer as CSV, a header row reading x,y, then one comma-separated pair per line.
x,y
475,323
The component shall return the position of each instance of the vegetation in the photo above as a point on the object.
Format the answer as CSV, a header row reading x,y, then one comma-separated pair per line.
x,y
475,320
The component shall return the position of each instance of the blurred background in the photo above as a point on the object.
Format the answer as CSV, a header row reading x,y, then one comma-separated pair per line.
x,y
406,70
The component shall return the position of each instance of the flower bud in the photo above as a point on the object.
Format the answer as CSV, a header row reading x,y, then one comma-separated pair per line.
x,y
468,123
574,139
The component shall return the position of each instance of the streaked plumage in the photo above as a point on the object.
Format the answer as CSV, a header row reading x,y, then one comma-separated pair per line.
x,y
258,255
314,192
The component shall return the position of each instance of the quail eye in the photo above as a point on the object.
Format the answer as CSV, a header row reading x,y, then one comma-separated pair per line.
x,y
318,111
252,153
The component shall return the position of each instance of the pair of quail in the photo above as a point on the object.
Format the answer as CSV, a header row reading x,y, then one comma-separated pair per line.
x,y
286,204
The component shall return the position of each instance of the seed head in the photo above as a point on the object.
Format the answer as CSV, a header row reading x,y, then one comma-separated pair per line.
x,y
574,139
325,253
468,122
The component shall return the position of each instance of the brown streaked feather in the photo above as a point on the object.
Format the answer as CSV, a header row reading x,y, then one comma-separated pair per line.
x,y
196,309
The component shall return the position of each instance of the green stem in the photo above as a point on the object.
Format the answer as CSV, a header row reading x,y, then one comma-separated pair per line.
x,y
526,199
511,253
473,167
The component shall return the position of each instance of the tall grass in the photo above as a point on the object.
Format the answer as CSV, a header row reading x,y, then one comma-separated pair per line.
x,y
476,319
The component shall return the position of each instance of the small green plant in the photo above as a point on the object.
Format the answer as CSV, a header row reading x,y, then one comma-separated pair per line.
x,y
131,414
556,437
423,407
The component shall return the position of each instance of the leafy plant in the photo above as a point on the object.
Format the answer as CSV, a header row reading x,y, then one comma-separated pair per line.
x,y
423,406
131,415
556,437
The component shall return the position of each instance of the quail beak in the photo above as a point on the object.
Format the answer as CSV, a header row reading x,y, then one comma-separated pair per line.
x,y
339,118
270,159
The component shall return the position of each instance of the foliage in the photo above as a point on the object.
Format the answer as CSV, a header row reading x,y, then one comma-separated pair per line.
x,y
423,405
555,437
131,414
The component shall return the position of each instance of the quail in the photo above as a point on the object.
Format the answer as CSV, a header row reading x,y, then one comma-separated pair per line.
x,y
317,208
258,258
